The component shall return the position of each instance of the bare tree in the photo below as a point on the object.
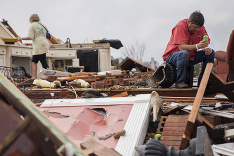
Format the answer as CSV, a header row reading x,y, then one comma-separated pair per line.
x,y
134,51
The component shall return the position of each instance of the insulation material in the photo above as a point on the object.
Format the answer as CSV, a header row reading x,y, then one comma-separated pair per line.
x,y
43,83
83,83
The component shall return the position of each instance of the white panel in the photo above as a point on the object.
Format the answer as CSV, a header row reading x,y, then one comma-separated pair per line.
x,y
75,62
16,51
50,54
104,60
2,61
95,101
62,53
27,52
136,128
2,50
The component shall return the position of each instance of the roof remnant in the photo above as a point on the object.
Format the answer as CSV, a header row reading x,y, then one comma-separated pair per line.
x,y
129,63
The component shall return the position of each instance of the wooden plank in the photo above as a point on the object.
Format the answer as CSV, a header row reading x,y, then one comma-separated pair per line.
x,y
175,124
177,120
196,106
172,133
61,93
88,77
172,138
90,146
120,133
14,135
106,152
41,145
96,41
15,152
206,121
175,129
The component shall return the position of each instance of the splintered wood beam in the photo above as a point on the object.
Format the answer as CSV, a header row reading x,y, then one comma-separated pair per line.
x,y
120,133
25,106
73,77
196,106
96,41
11,138
217,85
206,121
92,147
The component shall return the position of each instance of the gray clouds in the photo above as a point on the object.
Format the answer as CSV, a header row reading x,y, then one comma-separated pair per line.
x,y
148,21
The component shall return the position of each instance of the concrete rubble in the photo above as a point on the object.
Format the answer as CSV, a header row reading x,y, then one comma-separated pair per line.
x,y
93,112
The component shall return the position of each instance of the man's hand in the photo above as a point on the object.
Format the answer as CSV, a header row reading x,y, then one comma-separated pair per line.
x,y
202,44
207,51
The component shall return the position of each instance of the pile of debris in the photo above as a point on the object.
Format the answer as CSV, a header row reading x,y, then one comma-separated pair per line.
x,y
201,124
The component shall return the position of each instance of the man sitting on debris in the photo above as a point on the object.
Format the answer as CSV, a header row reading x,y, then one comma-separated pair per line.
x,y
187,48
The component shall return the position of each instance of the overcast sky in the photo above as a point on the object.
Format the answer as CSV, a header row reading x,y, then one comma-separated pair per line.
x,y
148,21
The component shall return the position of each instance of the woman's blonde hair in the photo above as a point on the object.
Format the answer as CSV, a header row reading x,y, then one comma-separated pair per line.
x,y
34,18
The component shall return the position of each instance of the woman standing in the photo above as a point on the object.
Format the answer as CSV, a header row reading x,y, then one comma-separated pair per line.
x,y
40,45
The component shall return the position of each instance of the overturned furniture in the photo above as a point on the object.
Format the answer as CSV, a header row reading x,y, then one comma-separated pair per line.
x,y
225,61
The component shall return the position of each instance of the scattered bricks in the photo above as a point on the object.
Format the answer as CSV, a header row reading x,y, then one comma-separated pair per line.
x,y
100,84
161,124
173,130
93,85
108,82
121,81
129,81
90,80
115,82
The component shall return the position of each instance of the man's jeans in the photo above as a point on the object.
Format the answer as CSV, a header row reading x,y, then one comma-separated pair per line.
x,y
181,60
